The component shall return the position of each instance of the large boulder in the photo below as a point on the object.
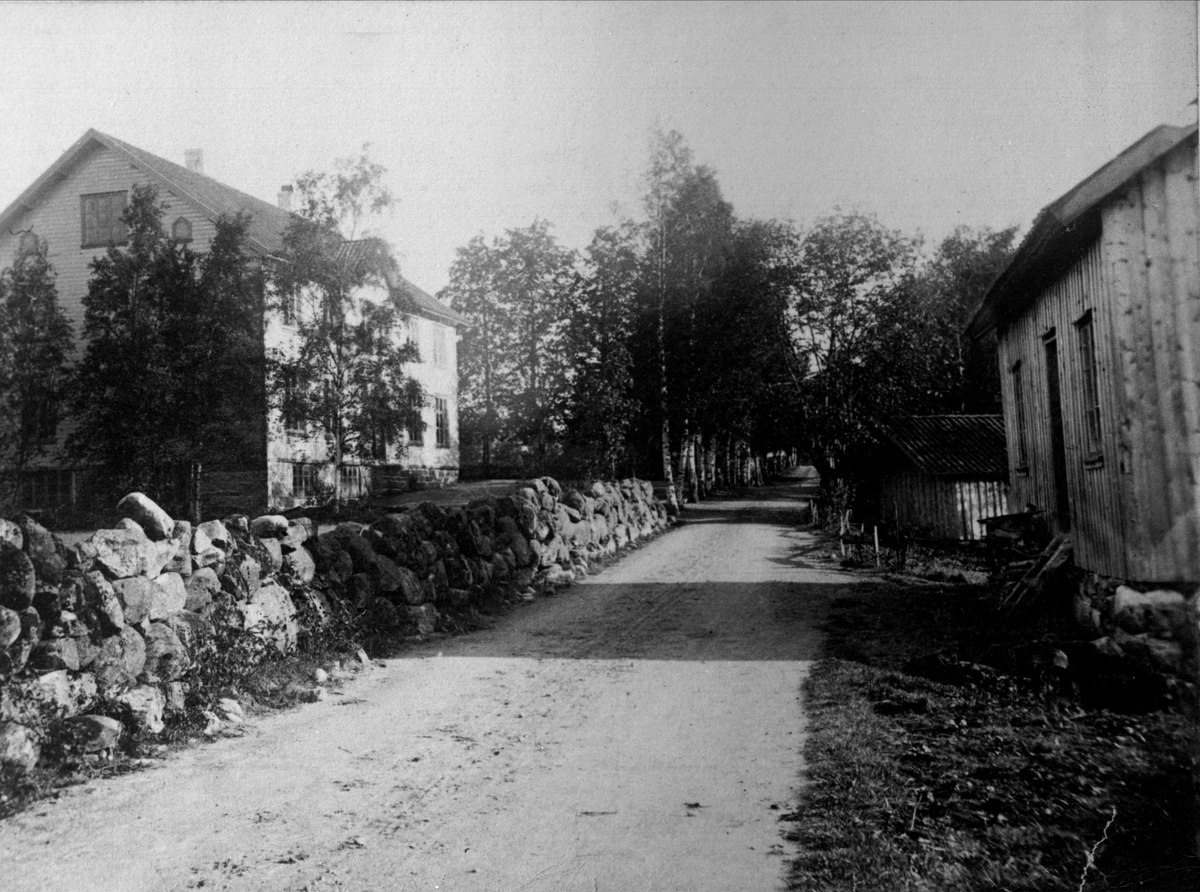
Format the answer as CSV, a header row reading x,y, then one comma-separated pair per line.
x,y
19,746
64,693
94,733
189,627
166,657
54,654
181,558
201,586
424,617
271,614
136,594
299,565
11,533
170,597
120,660
410,589
216,534
271,556
43,549
1162,613
149,516
269,526
10,626
17,578
145,704
123,553
299,531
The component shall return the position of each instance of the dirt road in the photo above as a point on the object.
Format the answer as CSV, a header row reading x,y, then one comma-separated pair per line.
x,y
641,730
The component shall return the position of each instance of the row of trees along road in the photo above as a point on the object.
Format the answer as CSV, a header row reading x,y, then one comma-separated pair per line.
x,y
684,343
174,373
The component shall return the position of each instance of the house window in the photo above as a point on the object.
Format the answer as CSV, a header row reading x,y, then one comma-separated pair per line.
x,y
287,308
304,480
181,230
101,219
45,489
416,427
1018,389
442,414
1091,385
438,345
28,245
290,408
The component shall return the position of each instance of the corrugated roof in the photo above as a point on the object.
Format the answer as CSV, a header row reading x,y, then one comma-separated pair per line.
x,y
1066,225
267,221
960,445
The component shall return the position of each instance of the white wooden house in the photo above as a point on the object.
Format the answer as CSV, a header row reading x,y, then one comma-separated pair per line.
x,y
74,208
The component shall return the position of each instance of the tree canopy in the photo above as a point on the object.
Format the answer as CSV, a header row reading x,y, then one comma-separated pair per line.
x,y
691,343
173,365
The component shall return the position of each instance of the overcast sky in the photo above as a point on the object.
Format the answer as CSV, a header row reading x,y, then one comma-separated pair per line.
x,y
488,115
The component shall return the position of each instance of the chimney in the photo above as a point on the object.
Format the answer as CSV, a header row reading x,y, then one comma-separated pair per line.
x,y
285,197
194,159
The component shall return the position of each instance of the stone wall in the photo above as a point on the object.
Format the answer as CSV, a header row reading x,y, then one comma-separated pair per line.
x,y
118,620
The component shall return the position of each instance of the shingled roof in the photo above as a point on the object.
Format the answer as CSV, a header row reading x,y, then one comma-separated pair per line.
x,y
958,445
267,221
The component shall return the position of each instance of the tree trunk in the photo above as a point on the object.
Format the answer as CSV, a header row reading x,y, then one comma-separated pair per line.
x,y
668,474
194,493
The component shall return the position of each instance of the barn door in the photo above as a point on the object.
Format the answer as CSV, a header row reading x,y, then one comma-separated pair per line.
x,y
1058,447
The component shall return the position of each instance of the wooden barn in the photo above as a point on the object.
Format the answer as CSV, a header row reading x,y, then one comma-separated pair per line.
x,y
939,474
1098,322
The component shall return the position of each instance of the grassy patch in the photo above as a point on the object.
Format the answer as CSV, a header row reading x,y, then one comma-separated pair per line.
x,y
1001,780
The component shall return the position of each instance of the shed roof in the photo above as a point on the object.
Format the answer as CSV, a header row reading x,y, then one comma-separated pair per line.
x,y
959,445
1065,227
213,198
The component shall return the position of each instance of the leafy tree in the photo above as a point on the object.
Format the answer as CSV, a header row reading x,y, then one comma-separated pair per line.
x,y
853,331
601,318
688,228
513,374
962,373
343,374
35,341
174,362
483,348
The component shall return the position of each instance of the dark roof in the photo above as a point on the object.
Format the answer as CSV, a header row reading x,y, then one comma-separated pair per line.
x,y
267,221
961,445
1064,228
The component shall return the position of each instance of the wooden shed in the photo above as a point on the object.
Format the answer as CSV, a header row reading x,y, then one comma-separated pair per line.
x,y
1098,324
939,474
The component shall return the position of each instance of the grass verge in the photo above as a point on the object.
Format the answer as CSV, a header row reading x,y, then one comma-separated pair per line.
x,y
1001,780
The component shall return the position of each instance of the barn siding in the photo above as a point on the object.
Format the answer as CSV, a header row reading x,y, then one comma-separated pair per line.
x,y
1134,510
941,507
1152,254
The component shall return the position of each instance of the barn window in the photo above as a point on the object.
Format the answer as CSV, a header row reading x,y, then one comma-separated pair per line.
x,y
181,230
1018,389
1091,387
100,216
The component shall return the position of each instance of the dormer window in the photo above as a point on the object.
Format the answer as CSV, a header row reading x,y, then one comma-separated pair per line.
x,y
181,230
101,219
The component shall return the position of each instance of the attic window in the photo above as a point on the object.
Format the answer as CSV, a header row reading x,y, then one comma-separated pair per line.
x,y
100,216
29,244
181,230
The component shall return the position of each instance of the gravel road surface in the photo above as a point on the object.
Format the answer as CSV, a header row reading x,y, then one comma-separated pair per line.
x,y
641,730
